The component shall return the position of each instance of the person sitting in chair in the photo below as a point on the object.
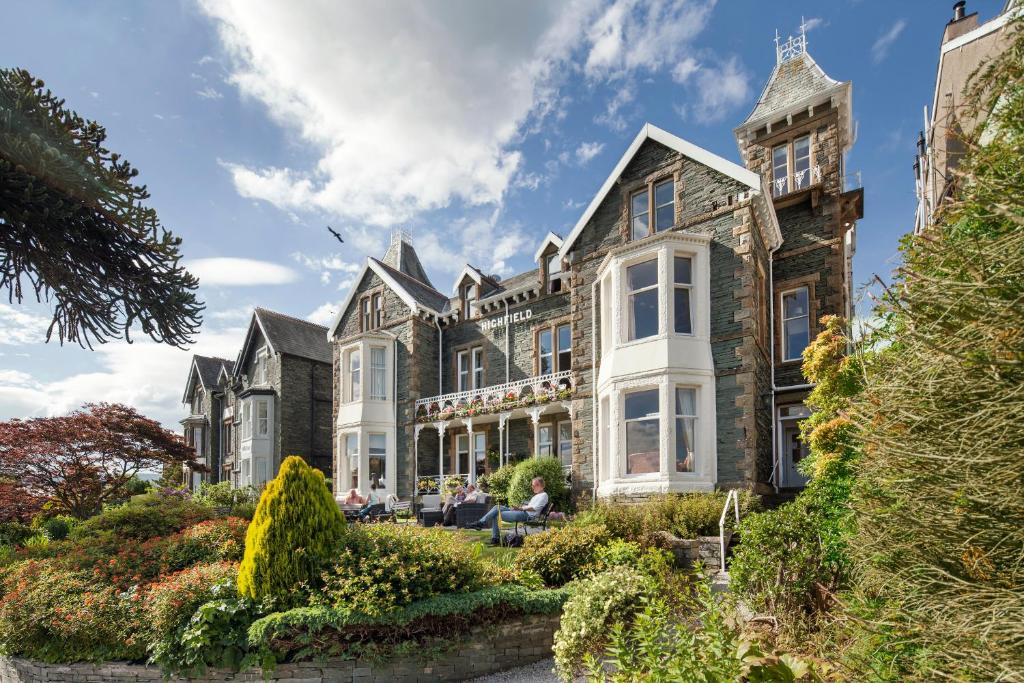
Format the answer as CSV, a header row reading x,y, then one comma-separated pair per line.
x,y
448,511
371,499
473,495
519,514
353,498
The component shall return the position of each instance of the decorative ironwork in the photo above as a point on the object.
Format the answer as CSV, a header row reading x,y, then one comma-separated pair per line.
x,y
522,393
801,180
793,47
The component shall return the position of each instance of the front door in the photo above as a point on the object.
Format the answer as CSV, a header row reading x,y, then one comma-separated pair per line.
x,y
793,452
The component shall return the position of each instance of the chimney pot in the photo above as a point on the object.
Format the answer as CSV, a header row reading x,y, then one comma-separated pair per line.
x,y
959,10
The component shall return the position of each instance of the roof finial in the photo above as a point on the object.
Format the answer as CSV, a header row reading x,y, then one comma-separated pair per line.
x,y
794,45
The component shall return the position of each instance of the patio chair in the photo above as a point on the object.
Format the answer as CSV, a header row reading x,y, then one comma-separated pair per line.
x,y
538,522
401,509
376,513
467,513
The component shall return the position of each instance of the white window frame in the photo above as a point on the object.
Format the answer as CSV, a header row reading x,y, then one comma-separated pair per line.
x,y
349,440
382,456
562,442
247,419
463,376
694,420
354,373
688,286
261,425
786,352
378,374
656,416
546,446
477,366
776,176
550,355
628,318
462,448
478,460
467,300
804,180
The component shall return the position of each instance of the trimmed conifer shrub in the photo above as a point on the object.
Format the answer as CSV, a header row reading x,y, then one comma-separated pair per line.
x,y
296,530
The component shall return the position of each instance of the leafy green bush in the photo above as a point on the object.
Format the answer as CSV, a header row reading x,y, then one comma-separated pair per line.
x,y
498,481
14,533
222,495
244,510
57,527
215,635
384,566
145,516
54,615
297,529
595,603
548,469
704,645
171,602
652,562
312,631
562,554
225,537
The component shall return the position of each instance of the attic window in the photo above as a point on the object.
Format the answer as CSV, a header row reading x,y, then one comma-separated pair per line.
x,y
554,273
659,199
468,297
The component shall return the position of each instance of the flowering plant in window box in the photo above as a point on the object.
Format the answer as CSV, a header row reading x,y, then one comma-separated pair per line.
x,y
426,485
527,400
543,398
564,393
474,409
446,413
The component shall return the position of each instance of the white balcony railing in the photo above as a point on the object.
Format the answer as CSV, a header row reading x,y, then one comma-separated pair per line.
x,y
799,180
497,398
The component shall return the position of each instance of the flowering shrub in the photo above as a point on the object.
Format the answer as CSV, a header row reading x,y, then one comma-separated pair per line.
x,y
51,614
172,601
225,536
562,554
146,516
385,566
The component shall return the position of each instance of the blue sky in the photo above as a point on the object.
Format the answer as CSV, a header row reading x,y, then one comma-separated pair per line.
x,y
477,127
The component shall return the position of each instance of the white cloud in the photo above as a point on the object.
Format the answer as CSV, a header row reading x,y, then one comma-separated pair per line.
x,y
813,23
19,326
587,151
239,272
329,265
324,313
719,89
682,71
401,103
209,93
612,116
880,48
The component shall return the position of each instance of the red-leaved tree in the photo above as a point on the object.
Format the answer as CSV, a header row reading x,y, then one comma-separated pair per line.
x,y
83,460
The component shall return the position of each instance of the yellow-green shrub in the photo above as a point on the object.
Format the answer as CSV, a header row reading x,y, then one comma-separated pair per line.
x,y
296,530
562,554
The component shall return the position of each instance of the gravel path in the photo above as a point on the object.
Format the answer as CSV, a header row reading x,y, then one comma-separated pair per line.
x,y
538,672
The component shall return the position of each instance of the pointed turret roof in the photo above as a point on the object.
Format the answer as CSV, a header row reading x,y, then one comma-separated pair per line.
x,y
793,82
402,257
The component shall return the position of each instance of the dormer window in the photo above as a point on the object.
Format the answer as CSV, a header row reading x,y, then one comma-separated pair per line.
x,y
371,312
261,366
658,198
468,296
554,273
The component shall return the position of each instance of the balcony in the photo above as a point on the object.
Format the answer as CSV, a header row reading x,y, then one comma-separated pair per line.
x,y
499,399
797,182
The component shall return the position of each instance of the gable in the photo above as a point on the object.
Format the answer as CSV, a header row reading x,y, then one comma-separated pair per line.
x,y
348,321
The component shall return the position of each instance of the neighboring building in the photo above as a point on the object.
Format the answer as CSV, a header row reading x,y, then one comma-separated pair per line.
x,y
966,45
205,395
656,348
273,401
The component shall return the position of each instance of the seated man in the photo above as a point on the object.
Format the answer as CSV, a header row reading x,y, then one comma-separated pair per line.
x,y
353,498
371,499
448,511
473,495
520,514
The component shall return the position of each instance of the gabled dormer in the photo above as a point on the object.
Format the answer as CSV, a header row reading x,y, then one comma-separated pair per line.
x,y
471,286
549,264
799,131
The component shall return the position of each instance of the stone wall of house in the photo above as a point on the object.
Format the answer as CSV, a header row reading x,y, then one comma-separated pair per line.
x,y
306,400
486,649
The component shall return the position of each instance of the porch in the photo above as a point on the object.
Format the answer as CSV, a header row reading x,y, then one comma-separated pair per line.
x,y
469,433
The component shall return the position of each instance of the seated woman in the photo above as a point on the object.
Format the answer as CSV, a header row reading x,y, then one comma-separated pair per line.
x,y
448,511
353,498
372,498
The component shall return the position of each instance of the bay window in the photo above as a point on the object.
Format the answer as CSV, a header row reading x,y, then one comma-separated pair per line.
x,y
355,381
262,418
795,323
377,374
642,295
352,453
643,426
686,418
377,459
683,280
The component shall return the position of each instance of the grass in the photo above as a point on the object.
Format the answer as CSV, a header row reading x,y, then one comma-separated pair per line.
x,y
496,554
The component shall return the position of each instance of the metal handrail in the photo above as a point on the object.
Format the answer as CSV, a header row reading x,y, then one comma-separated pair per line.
x,y
734,498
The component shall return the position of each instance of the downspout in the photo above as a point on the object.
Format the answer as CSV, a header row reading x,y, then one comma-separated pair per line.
x,y
312,410
595,427
440,364
507,378
771,360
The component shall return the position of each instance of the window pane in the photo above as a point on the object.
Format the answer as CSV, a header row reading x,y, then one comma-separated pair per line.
x,y
544,340
377,458
801,152
682,311
794,304
554,264
686,402
642,446
377,372
643,314
796,337
684,444
641,404
565,443
639,203
664,217
642,275
683,270
663,193
640,228
640,214
544,447
564,348
779,161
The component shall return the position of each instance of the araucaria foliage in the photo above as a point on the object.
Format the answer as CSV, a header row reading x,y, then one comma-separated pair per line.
x,y
73,223
296,530
939,506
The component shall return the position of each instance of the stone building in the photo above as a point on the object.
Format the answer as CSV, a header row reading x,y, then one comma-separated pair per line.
x,y
273,401
656,348
965,45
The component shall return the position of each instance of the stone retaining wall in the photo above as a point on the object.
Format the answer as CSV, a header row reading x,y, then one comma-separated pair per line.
x,y
484,650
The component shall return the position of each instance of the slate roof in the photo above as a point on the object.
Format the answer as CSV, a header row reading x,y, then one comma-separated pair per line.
x,y
295,337
422,291
209,368
401,257
792,81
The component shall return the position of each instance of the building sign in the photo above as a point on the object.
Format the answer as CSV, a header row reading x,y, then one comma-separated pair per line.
x,y
511,319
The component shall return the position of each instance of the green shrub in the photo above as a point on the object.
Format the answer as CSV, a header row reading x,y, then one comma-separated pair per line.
x,y
702,644
297,529
171,602
595,603
548,469
561,554
15,533
312,631
54,615
222,495
385,566
652,562
145,516
498,481
225,537
57,527
246,510
215,635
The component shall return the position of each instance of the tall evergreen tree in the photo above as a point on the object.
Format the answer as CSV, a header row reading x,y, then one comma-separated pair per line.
x,y
74,226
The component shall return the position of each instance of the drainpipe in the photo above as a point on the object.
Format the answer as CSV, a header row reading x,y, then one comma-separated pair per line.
x,y
507,347
595,427
440,364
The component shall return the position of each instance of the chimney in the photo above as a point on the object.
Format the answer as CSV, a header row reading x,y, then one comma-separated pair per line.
x,y
959,10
